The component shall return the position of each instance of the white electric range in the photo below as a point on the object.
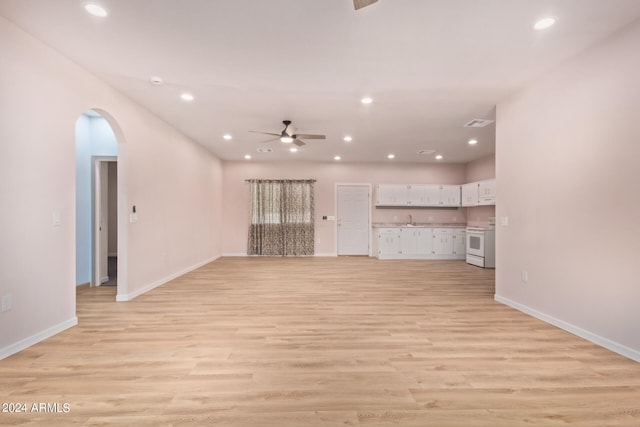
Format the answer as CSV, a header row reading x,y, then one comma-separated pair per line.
x,y
481,246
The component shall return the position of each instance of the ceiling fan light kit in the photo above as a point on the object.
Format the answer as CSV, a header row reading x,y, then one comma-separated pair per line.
x,y
286,139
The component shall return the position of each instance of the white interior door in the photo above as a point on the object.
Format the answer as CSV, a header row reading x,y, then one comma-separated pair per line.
x,y
353,219
101,232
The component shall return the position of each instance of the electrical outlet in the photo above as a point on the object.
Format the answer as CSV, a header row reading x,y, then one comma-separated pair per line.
x,y
7,302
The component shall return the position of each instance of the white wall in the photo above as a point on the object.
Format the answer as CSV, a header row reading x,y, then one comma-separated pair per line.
x,y
175,184
568,171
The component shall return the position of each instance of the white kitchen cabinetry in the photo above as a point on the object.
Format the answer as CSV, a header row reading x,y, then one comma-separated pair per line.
x,y
479,193
392,194
442,241
450,195
418,195
470,194
388,242
487,192
420,243
459,241
415,240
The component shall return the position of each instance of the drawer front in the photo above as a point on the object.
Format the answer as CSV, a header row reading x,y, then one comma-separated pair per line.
x,y
475,260
442,231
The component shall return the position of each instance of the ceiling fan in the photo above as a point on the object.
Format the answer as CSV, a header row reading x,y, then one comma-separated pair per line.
x,y
289,135
359,4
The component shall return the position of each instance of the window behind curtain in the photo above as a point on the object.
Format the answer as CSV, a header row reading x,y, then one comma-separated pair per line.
x,y
281,217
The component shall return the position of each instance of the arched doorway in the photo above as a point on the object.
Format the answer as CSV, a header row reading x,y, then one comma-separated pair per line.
x,y
100,248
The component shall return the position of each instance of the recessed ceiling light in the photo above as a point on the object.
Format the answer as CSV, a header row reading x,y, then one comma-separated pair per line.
x,y
544,23
439,157
227,137
391,156
96,10
366,100
293,149
156,81
247,156
337,158
187,97
473,141
347,138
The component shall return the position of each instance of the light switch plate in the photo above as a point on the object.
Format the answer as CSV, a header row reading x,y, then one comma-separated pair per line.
x,y
7,302
504,221
57,219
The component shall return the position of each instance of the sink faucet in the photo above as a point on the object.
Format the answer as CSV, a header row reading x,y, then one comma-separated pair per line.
x,y
410,220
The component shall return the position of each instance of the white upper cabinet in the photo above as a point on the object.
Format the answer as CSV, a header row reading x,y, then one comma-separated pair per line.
x,y
479,193
392,194
470,194
418,195
450,195
487,192
424,195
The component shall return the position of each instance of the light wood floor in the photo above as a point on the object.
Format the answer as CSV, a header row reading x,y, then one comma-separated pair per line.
x,y
319,342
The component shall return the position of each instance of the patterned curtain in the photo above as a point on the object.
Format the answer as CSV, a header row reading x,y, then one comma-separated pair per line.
x,y
282,217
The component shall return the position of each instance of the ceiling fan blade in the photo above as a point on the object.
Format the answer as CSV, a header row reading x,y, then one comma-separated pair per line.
x,y
271,139
265,133
298,142
310,136
359,4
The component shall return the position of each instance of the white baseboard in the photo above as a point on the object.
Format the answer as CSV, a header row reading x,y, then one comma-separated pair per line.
x,y
132,295
36,338
575,330
234,254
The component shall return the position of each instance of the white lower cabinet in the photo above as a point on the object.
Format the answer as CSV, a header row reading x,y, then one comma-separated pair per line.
x,y
420,243
388,242
459,241
415,241
442,241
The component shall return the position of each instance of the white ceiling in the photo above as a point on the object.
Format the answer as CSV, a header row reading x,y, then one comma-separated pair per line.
x,y
430,66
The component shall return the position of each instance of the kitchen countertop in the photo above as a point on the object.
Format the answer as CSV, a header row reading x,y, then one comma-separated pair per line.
x,y
418,225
